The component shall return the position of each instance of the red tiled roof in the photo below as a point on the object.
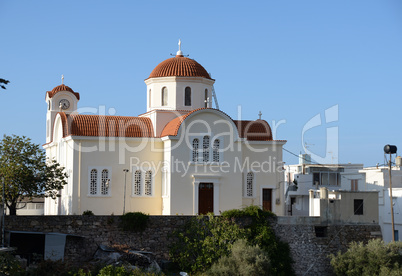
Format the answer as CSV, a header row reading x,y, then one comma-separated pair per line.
x,y
258,130
105,126
62,88
172,128
179,66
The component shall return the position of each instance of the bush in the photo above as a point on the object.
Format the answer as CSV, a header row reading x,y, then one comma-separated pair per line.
x,y
136,221
375,258
88,213
260,233
203,240
244,260
9,265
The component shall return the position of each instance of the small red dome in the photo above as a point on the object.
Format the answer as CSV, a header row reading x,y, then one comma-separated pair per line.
x,y
179,66
60,88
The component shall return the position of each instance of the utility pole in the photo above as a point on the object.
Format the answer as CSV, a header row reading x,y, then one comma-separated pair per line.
x,y
390,196
391,149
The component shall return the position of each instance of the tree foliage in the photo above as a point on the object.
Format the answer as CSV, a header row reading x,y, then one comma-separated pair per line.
x,y
260,233
375,258
3,83
244,260
203,240
26,172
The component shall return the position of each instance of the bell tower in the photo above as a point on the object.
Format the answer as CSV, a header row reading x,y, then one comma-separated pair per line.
x,y
60,99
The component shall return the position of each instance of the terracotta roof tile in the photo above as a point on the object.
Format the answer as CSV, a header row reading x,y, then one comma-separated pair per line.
x,y
172,128
258,130
105,126
62,88
179,66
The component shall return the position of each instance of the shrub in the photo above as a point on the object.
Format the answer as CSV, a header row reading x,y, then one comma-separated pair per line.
x,y
260,233
375,258
203,240
136,221
9,265
88,213
244,260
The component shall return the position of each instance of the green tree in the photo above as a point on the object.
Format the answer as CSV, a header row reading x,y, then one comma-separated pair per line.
x,y
375,258
26,172
244,260
3,83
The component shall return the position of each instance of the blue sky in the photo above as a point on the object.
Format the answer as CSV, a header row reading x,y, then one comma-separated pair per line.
x,y
291,60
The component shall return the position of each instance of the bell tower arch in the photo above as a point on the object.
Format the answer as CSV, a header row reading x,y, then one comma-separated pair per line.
x,y
60,99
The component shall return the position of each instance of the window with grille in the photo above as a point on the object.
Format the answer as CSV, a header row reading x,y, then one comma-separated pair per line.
x,y
137,183
249,184
148,183
187,96
93,182
195,150
105,182
164,96
215,151
99,181
205,147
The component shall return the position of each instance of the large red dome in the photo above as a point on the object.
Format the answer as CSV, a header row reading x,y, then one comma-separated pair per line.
x,y
179,66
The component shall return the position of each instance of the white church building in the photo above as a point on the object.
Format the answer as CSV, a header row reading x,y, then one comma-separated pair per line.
x,y
179,157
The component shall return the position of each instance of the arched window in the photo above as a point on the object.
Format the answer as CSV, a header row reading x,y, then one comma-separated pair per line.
x,y
215,151
93,183
137,183
249,186
148,183
195,149
149,98
164,96
206,98
187,96
105,182
205,148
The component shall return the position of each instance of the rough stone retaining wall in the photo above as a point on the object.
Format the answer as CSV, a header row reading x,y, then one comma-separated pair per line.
x,y
309,252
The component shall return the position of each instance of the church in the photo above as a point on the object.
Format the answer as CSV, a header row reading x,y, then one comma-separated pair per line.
x,y
180,157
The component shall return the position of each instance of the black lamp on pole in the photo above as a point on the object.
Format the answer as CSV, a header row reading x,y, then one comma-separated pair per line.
x,y
391,149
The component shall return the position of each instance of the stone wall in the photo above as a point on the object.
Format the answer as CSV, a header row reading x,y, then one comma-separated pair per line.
x,y
309,252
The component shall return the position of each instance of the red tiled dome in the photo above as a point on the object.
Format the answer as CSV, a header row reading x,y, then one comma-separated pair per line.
x,y
179,66
60,88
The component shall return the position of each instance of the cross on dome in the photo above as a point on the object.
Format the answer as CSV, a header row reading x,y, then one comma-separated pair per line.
x,y
62,79
259,115
179,52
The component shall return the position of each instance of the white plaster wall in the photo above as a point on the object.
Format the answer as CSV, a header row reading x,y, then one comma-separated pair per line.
x,y
265,160
176,87
182,182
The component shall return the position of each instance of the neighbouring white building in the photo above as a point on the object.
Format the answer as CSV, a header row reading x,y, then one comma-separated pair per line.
x,y
305,176
179,157
377,179
344,207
